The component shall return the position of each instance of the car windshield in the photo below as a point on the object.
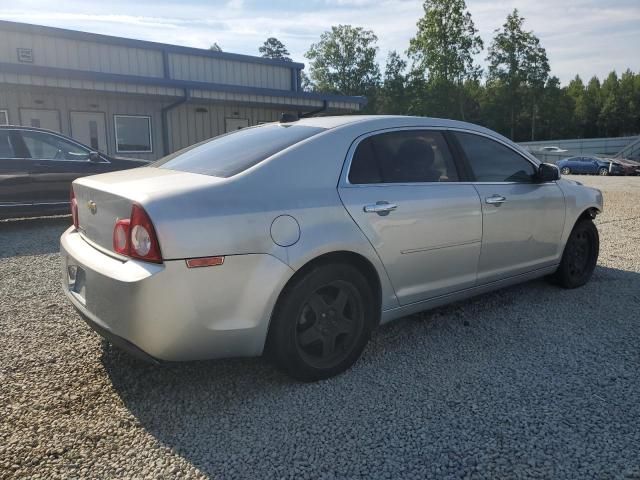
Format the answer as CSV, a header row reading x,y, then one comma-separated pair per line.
x,y
230,154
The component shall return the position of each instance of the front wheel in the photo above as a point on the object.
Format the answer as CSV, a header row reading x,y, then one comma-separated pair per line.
x,y
322,322
565,171
603,171
580,255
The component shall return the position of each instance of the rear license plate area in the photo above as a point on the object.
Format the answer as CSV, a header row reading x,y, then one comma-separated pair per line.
x,y
76,278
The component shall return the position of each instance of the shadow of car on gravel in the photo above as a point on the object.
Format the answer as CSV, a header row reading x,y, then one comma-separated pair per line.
x,y
509,374
32,236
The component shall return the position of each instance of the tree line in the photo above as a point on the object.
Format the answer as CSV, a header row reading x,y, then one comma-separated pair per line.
x,y
439,77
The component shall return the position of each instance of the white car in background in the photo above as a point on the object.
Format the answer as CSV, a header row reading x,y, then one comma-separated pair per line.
x,y
553,150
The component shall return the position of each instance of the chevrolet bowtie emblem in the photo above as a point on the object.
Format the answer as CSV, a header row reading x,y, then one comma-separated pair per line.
x,y
93,208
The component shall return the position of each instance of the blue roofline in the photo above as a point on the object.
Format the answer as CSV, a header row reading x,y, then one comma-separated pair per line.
x,y
27,69
129,42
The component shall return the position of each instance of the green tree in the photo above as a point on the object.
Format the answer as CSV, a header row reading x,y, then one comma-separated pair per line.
x,y
556,107
610,117
392,94
629,103
344,61
519,62
274,48
592,107
578,118
442,50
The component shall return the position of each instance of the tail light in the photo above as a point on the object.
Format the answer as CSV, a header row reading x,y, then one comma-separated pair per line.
x,y
74,208
135,237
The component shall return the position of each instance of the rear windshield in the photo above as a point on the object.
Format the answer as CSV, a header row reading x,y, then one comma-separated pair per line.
x,y
230,154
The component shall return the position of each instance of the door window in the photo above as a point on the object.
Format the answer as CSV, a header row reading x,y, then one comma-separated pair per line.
x,y
42,146
491,161
133,133
408,156
6,146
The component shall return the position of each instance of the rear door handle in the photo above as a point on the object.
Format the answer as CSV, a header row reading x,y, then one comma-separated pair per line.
x,y
495,199
381,208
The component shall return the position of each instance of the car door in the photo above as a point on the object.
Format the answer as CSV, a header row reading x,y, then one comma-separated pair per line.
x,y
15,182
55,162
522,218
402,188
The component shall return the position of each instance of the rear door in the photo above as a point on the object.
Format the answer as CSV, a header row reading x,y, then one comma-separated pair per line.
x,y
402,188
15,182
54,163
523,219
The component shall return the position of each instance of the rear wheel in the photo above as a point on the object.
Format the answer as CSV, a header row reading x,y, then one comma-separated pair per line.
x,y
603,171
580,255
565,170
322,323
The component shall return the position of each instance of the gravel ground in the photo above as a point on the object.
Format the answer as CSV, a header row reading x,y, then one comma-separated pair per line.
x,y
532,381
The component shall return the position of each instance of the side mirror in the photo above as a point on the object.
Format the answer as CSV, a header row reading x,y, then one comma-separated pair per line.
x,y
95,157
548,172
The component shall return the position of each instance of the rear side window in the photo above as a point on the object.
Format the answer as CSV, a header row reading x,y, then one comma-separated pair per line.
x,y
42,146
6,147
491,161
230,154
409,156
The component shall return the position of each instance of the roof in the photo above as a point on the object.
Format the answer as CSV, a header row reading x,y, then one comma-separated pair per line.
x,y
130,42
390,121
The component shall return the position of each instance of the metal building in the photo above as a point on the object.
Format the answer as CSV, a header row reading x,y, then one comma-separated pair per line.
x,y
142,99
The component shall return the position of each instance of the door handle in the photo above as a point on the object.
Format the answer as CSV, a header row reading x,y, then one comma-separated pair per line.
x,y
495,200
381,208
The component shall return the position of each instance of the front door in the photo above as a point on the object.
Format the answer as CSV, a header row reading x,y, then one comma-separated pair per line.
x,y
522,219
403,191
49,119
232,124
90,128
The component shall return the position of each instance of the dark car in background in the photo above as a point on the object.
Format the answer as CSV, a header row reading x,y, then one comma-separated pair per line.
x,y
590,166
37,167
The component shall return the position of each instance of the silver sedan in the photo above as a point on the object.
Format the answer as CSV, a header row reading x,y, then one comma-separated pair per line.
x,y
298,238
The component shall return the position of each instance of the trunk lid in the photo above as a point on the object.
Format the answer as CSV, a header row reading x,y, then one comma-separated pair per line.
x,y
104,199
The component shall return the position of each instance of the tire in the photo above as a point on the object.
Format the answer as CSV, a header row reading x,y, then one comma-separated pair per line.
x,y
580,256
322,322
603,171
565,171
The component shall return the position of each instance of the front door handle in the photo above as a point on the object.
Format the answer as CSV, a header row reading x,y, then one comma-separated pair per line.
x,y
381,208
495,199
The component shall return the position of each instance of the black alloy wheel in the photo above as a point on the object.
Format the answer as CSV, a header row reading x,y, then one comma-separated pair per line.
x,y
580,255
322,322
329,323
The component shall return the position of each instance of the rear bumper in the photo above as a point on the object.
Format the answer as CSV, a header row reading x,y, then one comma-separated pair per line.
x,y
170,312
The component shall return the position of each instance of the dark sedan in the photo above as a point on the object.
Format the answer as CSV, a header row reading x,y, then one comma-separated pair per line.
x,y
37,167
590,165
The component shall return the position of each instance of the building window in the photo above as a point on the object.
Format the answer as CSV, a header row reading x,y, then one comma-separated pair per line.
x,y
133,133
4,117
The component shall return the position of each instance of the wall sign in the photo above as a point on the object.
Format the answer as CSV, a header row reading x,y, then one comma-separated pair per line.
x,y
25,55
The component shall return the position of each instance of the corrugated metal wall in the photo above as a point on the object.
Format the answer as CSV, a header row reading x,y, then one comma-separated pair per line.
x,y
51,51
186,124
56,52
191,123
214,70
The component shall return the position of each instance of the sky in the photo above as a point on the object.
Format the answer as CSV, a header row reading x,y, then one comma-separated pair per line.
x,y
585,37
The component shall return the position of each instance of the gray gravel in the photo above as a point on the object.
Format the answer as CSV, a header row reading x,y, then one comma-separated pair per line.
x,y
532,381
